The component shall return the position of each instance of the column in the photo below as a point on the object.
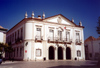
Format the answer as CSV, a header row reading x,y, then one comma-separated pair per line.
x,y
56,53
73,48
64,53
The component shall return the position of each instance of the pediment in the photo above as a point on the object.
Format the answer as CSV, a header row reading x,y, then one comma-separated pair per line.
x,y
59,19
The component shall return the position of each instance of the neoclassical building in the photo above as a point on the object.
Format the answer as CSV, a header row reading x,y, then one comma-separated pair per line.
x,y
52,38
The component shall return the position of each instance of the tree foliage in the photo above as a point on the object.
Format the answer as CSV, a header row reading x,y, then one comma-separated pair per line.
x,y
98,27
4,47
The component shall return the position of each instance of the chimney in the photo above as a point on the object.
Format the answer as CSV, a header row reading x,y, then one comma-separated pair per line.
x,y
39,16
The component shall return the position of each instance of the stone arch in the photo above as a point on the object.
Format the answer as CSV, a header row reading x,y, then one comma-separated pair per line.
x,y
51,53
60,53
68,53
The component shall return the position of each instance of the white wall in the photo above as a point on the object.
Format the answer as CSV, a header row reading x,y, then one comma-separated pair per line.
x,y
1,37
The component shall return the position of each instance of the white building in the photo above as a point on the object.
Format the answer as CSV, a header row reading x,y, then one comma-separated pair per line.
x,y
51,38
2,34
2,37
92,48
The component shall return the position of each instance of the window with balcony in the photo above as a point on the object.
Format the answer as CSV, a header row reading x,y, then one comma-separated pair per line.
x,y
77,37
60,35
15,36
21,33
51,34
38,33
67,36
99,47
18,34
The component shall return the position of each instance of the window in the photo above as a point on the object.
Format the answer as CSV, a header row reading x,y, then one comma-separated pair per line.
x,y
14,52
38,52
77,37
60,34
67,36
21,33
38,35
99,47
20,52
15,36
17,52
79,53
90,54
18,34
51,34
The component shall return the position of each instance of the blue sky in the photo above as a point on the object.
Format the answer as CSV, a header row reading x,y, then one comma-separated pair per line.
x,y
88,11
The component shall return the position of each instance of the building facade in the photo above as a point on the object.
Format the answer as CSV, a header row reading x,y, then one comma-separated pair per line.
x,y
92,48
2,38
52,38
2,34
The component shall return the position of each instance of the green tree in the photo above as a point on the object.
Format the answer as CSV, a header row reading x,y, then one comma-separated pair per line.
x,y
98,27
4,47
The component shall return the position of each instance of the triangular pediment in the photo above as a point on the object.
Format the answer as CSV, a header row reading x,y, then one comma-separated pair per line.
x,y
59,19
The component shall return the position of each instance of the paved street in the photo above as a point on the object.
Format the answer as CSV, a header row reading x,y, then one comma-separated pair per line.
x,y
49,64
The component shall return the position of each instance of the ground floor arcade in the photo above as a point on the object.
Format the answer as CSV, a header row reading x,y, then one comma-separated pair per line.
x,y
45,51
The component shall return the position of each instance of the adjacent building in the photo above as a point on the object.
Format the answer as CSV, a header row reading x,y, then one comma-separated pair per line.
x,y
52,38
2,37
92,48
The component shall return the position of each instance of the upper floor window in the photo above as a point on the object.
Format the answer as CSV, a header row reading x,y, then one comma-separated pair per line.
x,y
15,36
22,33
18,33
77,37
38,33
60,35
51,31
67,36
99,47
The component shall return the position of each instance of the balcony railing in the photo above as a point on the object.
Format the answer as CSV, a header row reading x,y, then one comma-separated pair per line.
x,y
54,40
67,40
59,40
78,42
19,40
38,38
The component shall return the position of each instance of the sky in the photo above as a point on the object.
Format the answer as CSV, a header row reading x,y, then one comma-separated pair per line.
x,y
86,11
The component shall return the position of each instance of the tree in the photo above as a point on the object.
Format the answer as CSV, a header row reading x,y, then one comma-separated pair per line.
x,y
4,47
98,27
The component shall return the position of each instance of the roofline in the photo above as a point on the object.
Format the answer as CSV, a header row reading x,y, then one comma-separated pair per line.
x,y
15,25
65,18
3,29
42,20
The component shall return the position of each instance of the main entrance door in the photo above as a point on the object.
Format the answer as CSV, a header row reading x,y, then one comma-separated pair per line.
x,y
68,53
60,53
51,53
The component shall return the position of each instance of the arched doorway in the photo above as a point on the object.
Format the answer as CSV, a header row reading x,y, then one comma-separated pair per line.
x,y
68,53
60,53
51,53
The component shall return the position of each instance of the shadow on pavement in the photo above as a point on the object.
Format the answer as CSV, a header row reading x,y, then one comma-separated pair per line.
x,y
67,66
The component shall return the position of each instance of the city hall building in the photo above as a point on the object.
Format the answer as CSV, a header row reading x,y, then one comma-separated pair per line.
x,y
52,38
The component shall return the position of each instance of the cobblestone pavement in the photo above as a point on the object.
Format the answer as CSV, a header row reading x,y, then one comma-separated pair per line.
x,y
49,64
